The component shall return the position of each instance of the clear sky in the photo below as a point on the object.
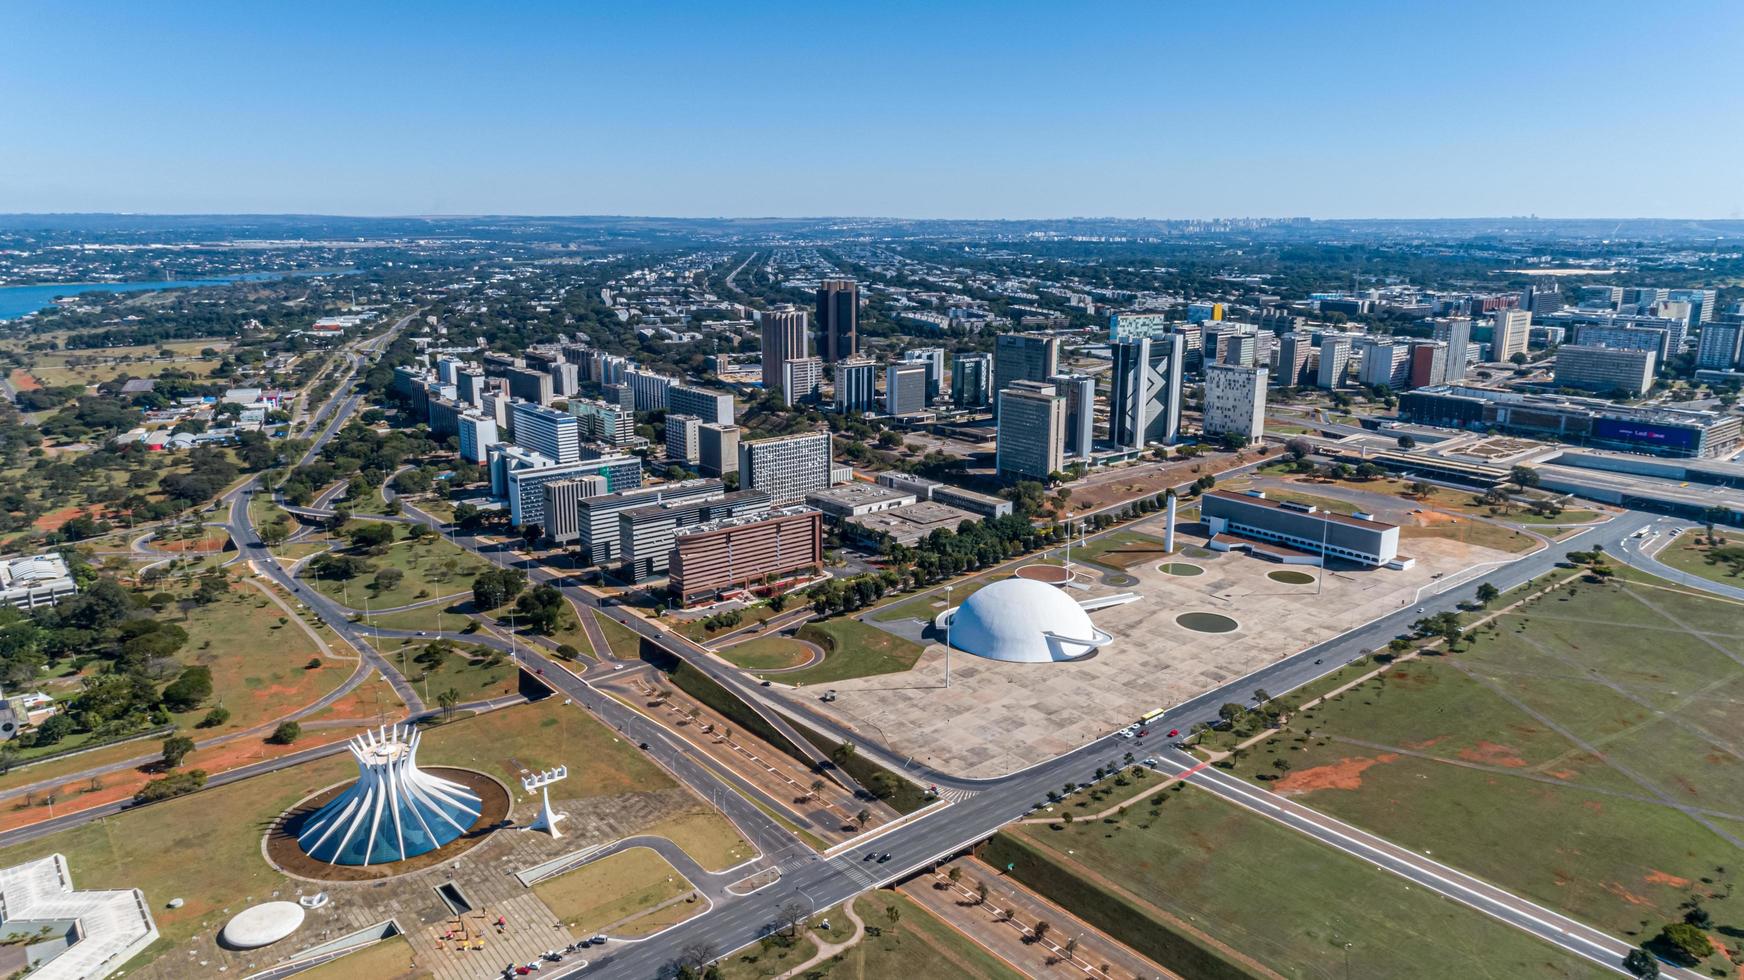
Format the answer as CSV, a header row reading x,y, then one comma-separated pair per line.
x,y
928,109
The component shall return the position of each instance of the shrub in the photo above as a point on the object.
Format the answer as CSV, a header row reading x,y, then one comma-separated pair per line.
x,y
286,733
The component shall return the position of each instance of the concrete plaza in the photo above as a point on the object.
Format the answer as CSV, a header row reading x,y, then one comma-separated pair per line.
x,y
997,718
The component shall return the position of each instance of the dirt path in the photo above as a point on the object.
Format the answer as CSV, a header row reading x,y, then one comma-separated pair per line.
x,y
827,950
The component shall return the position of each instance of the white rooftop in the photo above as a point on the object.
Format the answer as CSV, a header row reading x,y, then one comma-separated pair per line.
x,y
113,925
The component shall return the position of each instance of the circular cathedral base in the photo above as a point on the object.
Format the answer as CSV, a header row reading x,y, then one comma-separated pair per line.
x,y
283,852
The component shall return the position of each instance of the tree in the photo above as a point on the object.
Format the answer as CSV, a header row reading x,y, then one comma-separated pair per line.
x,y
1071,946
446,700
981,893
386,579
1686,942
286,733
1523,477
542,609
1407,442
177,784
892,913
1488,593
176,749
1517,358
861,818
817,788
1641,963
955,874
842,753
1041,930
217,716
792,915
187,691
372,536
1298,448
495,587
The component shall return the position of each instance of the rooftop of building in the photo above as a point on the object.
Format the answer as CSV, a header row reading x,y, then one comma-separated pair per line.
x,y
911,522
748,519
1258,497
856,494
1598,406
33,570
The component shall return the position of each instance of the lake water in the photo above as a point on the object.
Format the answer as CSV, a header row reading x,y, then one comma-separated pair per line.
x,y
16,301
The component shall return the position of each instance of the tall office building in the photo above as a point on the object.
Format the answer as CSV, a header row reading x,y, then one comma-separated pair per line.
x,y
562,505
1079,391
1334,360
1539,301
971,380
856,386
838,319
1132,326
1513,330
1384,362
905,388
548,432
801,379
1144,400
1023,357
1235,401
1455,331
684,439
718,449
1604,369
478,432
605,422
565,378
1293,350
1032,431
785,337
470,386
934,359
1429,363
1701,301
1718,346
597,524
647,389
710,406
786,467
529,385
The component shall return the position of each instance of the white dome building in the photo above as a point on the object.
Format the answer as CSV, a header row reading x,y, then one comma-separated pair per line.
x,y
1021,621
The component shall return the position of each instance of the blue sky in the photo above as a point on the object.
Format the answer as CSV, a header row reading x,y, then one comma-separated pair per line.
x,y
1160,109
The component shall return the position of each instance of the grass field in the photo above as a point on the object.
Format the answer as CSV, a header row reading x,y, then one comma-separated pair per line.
x,y
695,629
88,367
390,959
853,649
913,944
612,889
767,653
149,848
1559,756
1686,554
259,660
1184,865
432,567
932,602
1121,550
625,644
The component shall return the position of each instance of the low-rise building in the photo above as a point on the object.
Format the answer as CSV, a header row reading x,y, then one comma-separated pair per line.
x,y
1239,519
37,580
855,499
907,524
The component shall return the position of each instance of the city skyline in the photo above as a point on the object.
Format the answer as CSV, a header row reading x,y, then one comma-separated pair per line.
x,y
1023,111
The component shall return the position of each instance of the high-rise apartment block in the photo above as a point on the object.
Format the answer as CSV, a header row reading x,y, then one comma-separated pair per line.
x,y
1031,436
1429,363
478,432
605,422
1292,367
856,386
1235,401
934,359
1718,346
1455,331
785,337
1334,360
786,467
838,319
529,385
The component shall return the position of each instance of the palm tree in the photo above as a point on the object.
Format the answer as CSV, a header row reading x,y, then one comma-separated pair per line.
x,y
447,700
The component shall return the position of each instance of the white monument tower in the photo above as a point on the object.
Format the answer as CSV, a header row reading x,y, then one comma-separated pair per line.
x,y
541,781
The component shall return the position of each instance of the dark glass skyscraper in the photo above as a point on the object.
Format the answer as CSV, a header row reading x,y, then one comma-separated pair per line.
x,y
838,319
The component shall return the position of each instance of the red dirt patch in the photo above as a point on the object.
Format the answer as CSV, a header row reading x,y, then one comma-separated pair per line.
x,y
1343,774
1668,880
24,381
1563,774
1625,894
1429,744
1494,754
54,520
201,545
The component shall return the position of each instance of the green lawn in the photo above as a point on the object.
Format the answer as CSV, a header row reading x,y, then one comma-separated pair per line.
x,y
1121,550
695,629
1685,554
611,889
1186,860
929,604
853,649
767,653
1475,755
914,944
432,567
625,643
